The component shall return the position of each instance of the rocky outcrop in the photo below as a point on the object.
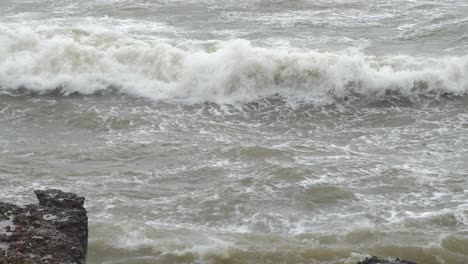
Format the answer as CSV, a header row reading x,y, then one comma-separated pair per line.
x,y
55,231
376,260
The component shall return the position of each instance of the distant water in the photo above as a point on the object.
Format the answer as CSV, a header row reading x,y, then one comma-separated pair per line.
x,y
258,131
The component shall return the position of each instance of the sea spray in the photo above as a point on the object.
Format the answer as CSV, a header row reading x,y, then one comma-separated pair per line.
x,y
44,60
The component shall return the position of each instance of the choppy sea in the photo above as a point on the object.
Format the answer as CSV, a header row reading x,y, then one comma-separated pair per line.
x,y
249,131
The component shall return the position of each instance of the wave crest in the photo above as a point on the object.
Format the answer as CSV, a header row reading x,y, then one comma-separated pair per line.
x,y
79,60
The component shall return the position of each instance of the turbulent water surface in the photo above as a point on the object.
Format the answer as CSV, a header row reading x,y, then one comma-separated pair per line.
x,y
251,131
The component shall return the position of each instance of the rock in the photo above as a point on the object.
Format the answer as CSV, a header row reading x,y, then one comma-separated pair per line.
x,y
55,231
58,198
376,260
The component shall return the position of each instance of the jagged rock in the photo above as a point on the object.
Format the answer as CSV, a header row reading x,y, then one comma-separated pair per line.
x,y
55,231
376,260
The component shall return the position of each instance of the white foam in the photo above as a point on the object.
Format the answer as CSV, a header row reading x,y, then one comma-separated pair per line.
x,y
214,248
4,246
87,61
202,246
4,224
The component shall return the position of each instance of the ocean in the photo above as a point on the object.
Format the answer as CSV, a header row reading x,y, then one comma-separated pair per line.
x,y
249,131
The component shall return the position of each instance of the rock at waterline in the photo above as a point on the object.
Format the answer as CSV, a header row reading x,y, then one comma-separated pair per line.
x,y
55,231
375,260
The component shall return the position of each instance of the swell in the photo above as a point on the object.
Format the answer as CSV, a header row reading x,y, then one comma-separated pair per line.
x,y
69,60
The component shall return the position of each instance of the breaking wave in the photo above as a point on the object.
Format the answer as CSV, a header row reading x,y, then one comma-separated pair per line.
x,y
83,60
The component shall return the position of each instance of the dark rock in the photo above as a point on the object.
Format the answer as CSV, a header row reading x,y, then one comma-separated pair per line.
x,y
376,260
55,231
60,199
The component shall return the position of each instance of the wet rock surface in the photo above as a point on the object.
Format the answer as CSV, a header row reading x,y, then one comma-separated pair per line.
x,y
55,231
376,260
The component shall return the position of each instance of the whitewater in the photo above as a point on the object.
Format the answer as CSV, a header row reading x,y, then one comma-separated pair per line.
x,y
254,131
87,61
